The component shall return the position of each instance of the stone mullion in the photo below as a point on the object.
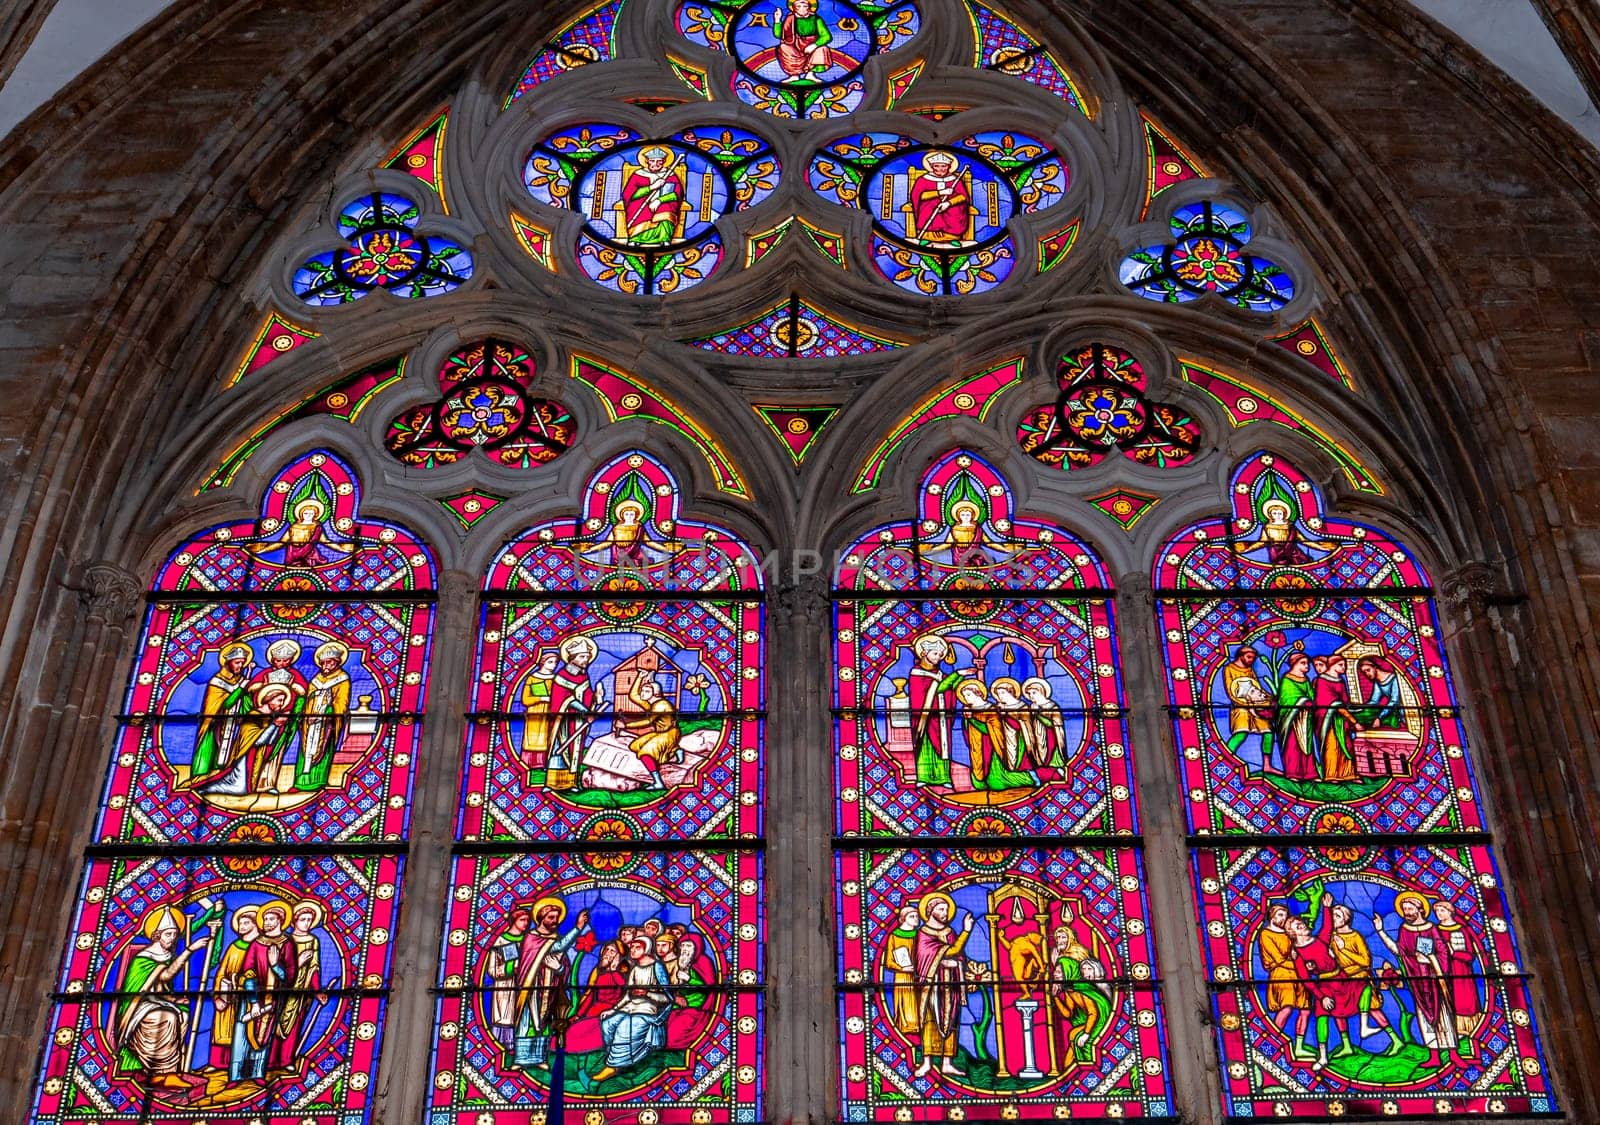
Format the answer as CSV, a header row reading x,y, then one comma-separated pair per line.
x,y
1193,1078
801,1046
401,1089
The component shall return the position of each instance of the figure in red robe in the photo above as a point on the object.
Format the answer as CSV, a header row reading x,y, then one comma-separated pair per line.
x,y
606,984
803,39
653,199
574,702
269,970
1456,957
939,199
1422,951
1314,964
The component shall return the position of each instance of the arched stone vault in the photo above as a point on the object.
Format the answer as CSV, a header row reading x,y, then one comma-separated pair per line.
x,y
1453,220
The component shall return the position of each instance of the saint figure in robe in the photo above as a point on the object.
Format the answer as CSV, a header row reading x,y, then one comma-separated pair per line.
x,y
543,991
574,701
933,707
229,1050
1079,991
637,1025
218,744
1336,723
501,970
941,982
1048,731
269,972
1425,963
939,200
803,38
538,717
1294,727
1250,708
327,717
653,201
151,1022
900,967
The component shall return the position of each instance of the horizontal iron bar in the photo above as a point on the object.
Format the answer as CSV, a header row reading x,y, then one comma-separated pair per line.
x,y
1389,978
716,989
1318,840
1057,594
291,597
99,996
512,848
1149,984
758,713
501,596
973,843
1525,1115
284,850
192,718
1289,593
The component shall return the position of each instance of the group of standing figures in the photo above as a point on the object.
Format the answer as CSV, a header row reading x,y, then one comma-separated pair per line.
x,y
250,724
260,991
1322,974
622,1014
1294,716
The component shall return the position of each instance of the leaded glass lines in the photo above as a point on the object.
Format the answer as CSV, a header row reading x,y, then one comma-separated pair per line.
x,y
231,949
993,927
1360,955
603,944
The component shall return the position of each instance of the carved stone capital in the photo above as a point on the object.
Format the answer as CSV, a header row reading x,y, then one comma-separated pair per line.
x,y
802,597
1470,586
110,593
458,588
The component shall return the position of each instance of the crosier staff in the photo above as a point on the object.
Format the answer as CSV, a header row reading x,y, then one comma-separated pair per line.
x,y
210,917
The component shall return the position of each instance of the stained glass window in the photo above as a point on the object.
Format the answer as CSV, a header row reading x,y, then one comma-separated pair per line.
x,y
485,403
1208,254
385,248
993,944
940,211
1000,45
1360,952
587,39
604,934
230,954
803,60
796,329
650,205
1102,409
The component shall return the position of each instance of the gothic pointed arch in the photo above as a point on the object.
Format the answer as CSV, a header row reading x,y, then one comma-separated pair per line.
x,y
629,310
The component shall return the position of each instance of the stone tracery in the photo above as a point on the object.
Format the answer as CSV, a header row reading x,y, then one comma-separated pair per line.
x,y
1001,68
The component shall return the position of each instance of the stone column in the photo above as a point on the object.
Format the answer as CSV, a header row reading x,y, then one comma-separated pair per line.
x,y
402,1091
52,781
802,1049
1576,27
1191,1047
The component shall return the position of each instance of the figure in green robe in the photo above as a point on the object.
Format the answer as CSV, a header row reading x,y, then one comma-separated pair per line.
x,y
1295,730
933,708
803,39
1080,994
327,718
227,698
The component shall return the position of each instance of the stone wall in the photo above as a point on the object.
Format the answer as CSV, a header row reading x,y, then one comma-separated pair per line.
x,y
1454,221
